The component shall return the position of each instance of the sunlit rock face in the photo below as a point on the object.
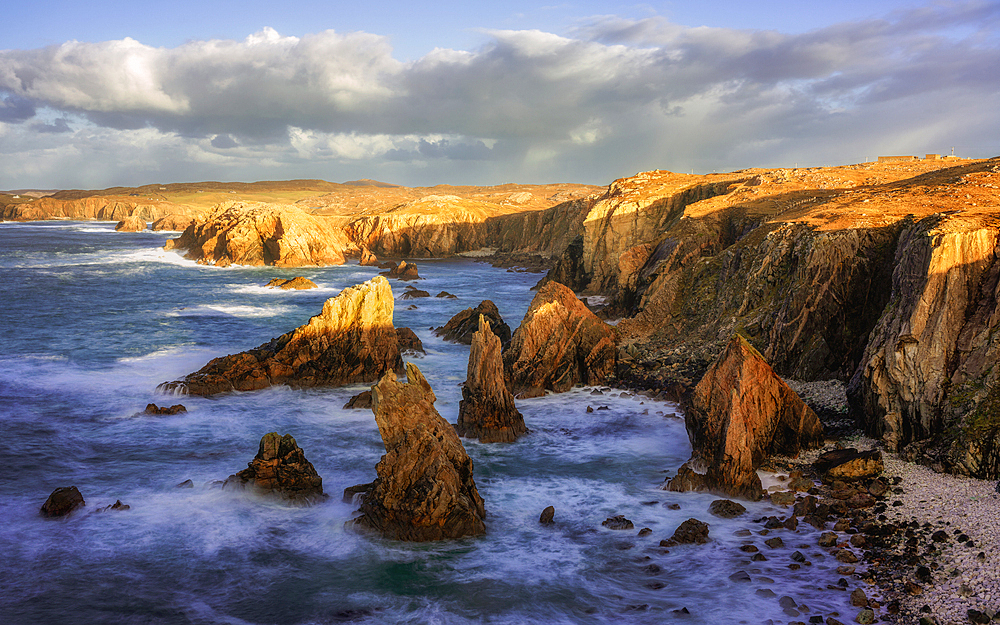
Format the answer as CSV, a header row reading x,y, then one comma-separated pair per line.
x,y
487,410
352,340
424,490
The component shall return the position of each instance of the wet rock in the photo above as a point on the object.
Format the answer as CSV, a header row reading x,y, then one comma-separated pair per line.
x,y
726,509
413,293
846,556
117,505
849,464
352,492
798,557
858,598
352,340
280,467
740,577
618,522
463,325
865,616
185,484
975,616
646,531
62,501
487,410
425,488
740,413
361,400
548,516
559,344
402,271
691,531
775,543
297,283
408,341
446,295
153,409
827,539
783,498
133,223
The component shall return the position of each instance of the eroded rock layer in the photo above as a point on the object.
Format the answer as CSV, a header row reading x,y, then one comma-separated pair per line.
x,y
352,340
487,410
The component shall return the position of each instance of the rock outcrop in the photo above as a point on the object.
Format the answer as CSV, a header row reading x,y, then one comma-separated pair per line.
x,y
463,325
487,410
741,413
153,409
402,271
361,400
409,341
367,258
559,343
425,489
253,233
62,501
298,283
132,223
352,340
280,467
173,222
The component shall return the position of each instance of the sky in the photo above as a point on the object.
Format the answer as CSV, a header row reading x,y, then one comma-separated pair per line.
x,y
96,94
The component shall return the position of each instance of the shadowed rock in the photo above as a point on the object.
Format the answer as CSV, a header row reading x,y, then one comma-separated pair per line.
x,y
62,501
559,343
849,464
361,400
741,413
689,532
367,258
424,489
280,467
487,410
298,283
352,340
409,341
402,271
463,325
163,410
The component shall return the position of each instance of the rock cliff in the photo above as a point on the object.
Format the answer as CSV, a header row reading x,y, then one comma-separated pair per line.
x,y
425,489
741,413
559,344
487,410
352,340
280,467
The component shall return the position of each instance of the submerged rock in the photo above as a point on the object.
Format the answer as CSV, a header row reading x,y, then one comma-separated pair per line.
x,y
741,413
463,325
133,223
117,506
559,343
403,271
618,522
62,501
164,410
487,410
280,467
352,340
298,283
425,489
691,531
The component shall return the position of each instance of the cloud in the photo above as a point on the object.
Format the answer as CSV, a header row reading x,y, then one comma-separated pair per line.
x,y
610,98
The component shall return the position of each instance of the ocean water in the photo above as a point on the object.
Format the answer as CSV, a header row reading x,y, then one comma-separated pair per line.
x,y
92,320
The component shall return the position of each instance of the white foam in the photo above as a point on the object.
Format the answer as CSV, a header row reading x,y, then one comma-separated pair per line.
x,y
231,310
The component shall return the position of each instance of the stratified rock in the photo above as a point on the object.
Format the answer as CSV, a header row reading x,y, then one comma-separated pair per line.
x,y
402,271
164,410
463,325
361,400
409,341
691,531
547,517
172,222
352,340
487,410
367,258
254,233
741,413
132,223
280,467
424,489
62,501
559,343
298,283
849,464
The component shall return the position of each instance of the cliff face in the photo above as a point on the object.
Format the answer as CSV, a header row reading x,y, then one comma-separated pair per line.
x,y
100,208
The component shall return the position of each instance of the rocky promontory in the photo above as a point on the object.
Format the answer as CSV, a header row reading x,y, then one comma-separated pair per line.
x,y
352,340
425,489
487,410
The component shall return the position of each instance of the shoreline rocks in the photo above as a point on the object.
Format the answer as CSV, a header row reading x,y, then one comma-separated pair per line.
x,y
463,325
298,283
132,223
281,468
62,501
487,410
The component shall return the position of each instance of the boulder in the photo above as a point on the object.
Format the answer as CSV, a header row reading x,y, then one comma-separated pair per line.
x,y
487,410
298,283
413,293
367,258
618,522
462,326
172,222
361,400
739,414
425,489
559,343
352,340
726,509
446,295
849,464
402,271
547,517
164,410
132,223
409,341
280,467
691,531
62,501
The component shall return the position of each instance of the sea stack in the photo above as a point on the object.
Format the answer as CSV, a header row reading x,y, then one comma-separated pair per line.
x,y
487,410
424,490
280,467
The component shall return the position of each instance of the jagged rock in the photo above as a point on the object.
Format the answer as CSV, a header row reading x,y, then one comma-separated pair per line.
x,y
280,467
352,340
132,223
726,509
117,505
618,522
361,400
164,410
741,413
298,283
425,488
409,341
446,295
849,464
62,501
548,516
463,325
352,492
559,343
254,233
487,410
691,531
402,271
172,222
413,293
367,258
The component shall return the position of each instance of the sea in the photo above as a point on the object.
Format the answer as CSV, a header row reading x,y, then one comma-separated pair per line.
x,y
92,320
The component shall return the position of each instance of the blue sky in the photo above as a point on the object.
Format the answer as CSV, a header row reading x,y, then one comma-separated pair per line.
x,y
94,94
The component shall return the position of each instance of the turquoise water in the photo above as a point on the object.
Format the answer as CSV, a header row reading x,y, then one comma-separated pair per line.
x,y
92,320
